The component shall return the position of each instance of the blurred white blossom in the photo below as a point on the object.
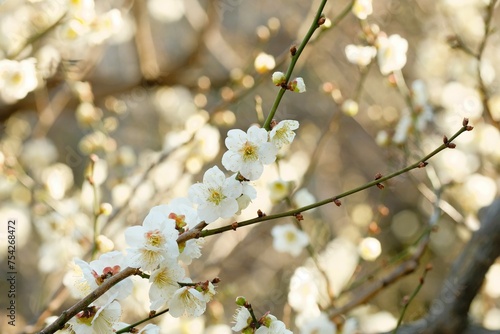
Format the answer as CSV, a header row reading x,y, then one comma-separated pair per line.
x,y
264,62
391,53
362,9
369,249
360,55
17,78
288,238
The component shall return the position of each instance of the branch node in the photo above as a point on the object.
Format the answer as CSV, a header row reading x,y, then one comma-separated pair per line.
x,y
234,226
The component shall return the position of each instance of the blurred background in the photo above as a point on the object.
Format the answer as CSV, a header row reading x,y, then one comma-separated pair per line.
x,y
152,87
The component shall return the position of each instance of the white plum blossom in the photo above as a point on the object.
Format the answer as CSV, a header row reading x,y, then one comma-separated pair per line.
x,y
190,250
98,271
279,78
96,319
369,249
187,301
318,325
247,195
391,53
362,8
288,238
164,283
242,318
216,196
153,242
272,325
297,85
360,55
282,133
17,78
248,152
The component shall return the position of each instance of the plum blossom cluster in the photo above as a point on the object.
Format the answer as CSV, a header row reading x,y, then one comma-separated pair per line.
x,y
245,321
222,197
153,246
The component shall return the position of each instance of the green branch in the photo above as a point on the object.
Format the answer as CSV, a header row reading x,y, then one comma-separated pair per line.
x,y
295,58
418,164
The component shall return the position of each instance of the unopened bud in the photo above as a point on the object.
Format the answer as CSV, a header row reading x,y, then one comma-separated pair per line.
x,y
337,202
469,128
297,85
293,50
241,301
299,216
273,123
105,209
465,122
378,176
422,164
380,186
451,145
260,213
321,20
445,139
279,78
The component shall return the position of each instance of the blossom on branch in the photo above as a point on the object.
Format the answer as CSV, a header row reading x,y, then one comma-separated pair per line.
x,y
96,319
98,271
216,196
271,325
297,85
164,283
282,133
154,241
279,78
187,301
242,319
248,152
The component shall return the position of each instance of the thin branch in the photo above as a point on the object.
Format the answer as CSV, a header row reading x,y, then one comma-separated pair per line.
x,y
295,57
418,164
402,270
73,310
130,327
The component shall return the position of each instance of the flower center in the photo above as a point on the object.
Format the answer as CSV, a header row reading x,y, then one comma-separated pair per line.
x,y
155,238
249,152
216,196
290,236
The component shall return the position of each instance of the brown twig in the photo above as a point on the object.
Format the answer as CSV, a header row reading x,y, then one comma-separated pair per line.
x,y
73,310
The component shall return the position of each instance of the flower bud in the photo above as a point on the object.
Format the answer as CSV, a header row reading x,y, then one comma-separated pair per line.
x,y
297,85
279,78
241,301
